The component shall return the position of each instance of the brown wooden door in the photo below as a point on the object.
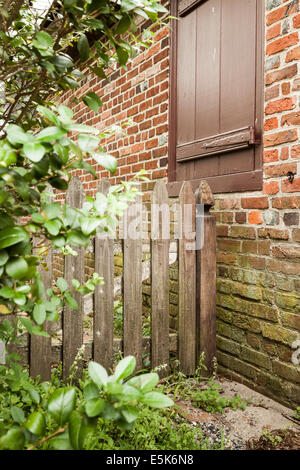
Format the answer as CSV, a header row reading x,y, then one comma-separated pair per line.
x,y
216,103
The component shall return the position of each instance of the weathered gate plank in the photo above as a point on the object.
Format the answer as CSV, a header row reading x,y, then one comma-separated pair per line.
x,y
104,295
74,269
206,279
187,282
40,346
160,235
132,282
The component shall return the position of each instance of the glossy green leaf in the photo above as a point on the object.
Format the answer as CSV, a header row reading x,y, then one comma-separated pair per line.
x,y
37,218
94,407
19,299
145,382
24,289
53,226
14,439
39,313
125,368
83,48
61,442
92,101
50,134
62,62
34,151
99,72
71,301
79,428
75,237
58,242
90,391
122,55
89,225
62,284
58,183
61,404
34,395
157,400
52,210
97,373
35,423
129,394
16,135
84,128
17,414
114,388
7,292
16,268
109,412
12,235
65,113
44,39
62,152
107,161
87,143
123,25
130,413
3,257
48,114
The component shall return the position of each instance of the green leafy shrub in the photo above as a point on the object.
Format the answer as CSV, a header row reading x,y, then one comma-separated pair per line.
x,y
153,430
37,415
41,144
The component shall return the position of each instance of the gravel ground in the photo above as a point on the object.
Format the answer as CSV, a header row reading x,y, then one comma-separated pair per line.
x,y
235,428
222,436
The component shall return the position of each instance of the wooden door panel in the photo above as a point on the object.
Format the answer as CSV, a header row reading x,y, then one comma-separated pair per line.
x,y
208,69
236,162
186,78
206,167
215,111
238,57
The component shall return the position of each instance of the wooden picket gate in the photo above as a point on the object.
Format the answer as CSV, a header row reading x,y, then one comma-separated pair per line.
x,y
196,292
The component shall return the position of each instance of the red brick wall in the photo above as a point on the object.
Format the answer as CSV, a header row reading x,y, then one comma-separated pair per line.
x,y
258,251
258,301
140,95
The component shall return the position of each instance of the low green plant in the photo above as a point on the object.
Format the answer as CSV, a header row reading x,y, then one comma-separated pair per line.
x,y
203,391
274,440
43,415
297,412
211,400
153,430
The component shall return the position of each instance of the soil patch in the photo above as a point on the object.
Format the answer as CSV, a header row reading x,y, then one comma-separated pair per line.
x,y
278,439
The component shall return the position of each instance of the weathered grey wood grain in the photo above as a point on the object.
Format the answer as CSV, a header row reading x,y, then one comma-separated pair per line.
x,y
187,282
74,269
104,295
160,234
132,282
40,346
206,279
